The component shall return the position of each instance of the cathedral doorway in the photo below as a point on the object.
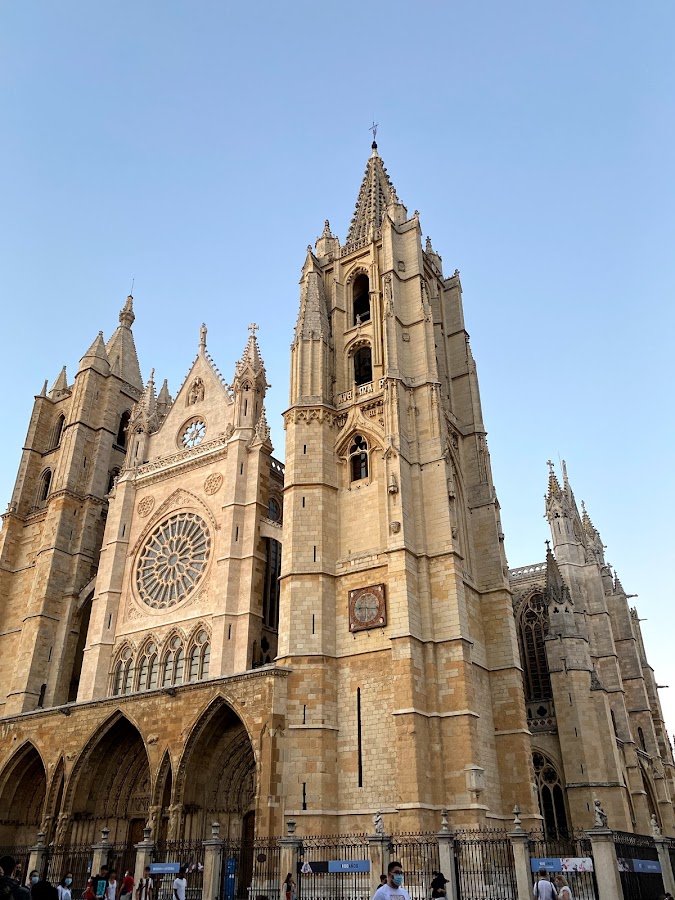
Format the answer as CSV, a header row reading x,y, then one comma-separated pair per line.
x,y
110,785
216,779
23,788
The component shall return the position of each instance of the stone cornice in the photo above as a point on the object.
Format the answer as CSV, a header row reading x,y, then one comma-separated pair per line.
x,y
201,455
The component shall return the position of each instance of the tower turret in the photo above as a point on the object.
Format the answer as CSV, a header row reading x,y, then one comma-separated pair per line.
x,y
249,385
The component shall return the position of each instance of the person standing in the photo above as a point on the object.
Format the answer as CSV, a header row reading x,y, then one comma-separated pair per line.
x,y
393,888
144,891
289,887
63,888
127,888
101,883
543,889
180,885
89,892
438,884
111,887
563,888
10,888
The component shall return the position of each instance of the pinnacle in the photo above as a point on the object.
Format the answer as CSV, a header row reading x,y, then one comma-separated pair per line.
x,y
553,483
127,317
375,194
60,385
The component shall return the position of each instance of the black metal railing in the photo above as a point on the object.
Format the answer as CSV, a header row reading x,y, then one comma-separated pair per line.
x,y
637,885
250,869
418,855
74,858
485,866
20,853
190,856
322,885
570,849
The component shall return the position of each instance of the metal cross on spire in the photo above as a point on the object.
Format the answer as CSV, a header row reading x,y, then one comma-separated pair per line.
x,y
253,328
374,128
550,466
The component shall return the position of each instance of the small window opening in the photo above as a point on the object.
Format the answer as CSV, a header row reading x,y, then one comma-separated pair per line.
x,y
41,698
361,294
112,478
358,458
641,739
45,485
303,502
121,439
363,366
359,736
58,431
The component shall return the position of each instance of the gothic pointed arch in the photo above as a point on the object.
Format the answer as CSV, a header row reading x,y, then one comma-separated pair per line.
x,y
532,628
551,794
215,776
23,788
54,800
110,782
160,804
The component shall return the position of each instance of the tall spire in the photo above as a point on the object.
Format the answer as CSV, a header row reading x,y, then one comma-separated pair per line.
x,y
164,400
313,315
121,348
60,386
96,357
375,195
144,412
251,357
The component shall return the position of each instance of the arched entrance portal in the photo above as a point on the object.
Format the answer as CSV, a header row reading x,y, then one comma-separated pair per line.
x,y
23,787
111,786
216,777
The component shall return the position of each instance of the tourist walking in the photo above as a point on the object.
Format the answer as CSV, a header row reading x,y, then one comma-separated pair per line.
x,y
180,885
89,893
289,887
127,888
63,888
438,884
10,887
101,882
145,887
111,887
563,888
393,888
543,889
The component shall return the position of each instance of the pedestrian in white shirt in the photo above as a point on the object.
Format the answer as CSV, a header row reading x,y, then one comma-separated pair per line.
x,y
111,887
180,885
393,888
543,889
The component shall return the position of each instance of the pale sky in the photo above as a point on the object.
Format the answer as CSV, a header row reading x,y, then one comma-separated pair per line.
x,y
198,147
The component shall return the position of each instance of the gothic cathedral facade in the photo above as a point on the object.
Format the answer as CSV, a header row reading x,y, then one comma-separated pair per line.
x,y
192,631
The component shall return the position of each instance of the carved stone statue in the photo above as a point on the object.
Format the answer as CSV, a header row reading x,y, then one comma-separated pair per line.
x,y
378,824
196,392
656,831
600,815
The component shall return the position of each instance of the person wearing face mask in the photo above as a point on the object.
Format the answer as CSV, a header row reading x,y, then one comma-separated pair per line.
x,y
33,878
393,888
64,887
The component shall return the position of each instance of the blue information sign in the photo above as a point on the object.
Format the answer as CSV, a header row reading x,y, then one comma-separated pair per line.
x,y
230,877
349,865
639,865
164,868
550,864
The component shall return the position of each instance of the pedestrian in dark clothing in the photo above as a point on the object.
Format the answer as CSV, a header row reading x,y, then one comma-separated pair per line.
x,y
10,888
438,884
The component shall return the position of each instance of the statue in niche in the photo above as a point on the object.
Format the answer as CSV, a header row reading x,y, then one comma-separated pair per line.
x,y
196,392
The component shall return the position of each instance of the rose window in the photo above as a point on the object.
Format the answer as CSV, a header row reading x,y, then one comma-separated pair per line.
x,y
193,433
173,560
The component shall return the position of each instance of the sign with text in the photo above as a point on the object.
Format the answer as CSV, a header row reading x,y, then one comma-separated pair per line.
x,y
639,865
165,868
562,864
349,865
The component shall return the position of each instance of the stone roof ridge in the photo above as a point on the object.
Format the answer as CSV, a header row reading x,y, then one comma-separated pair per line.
x,y
375,194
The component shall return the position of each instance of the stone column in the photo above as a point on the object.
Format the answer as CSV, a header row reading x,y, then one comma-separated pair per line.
x,y
100,852
38,857
605,864
213,864
290,854
144,852
378,854
520,841
661,845
446,857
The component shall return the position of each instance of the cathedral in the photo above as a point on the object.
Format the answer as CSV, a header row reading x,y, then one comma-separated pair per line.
x,y
193,631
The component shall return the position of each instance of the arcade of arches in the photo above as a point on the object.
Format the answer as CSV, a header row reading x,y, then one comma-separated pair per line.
x,y
176,763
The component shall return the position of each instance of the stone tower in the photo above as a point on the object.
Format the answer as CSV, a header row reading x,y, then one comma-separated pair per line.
x,y
405,693
52,532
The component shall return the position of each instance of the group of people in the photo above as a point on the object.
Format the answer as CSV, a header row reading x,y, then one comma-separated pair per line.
x,y
103,886
545,889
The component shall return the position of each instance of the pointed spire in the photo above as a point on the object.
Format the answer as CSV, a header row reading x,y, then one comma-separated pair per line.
x,y
144,412
96,357
43,392
127,317
251,357
553,483
60,386
327,244
313,315
262,429
121,348
618,587
375,194
164,400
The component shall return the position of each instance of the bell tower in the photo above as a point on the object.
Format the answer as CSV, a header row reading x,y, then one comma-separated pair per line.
x,y
395,609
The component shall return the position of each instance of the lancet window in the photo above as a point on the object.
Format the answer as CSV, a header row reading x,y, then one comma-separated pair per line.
x,y
58,431
551,796
121,439
361,299
200,657
363,366
45,485
358,458
532,630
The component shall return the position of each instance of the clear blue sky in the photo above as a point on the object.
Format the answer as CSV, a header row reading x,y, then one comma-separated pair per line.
x,y
199,147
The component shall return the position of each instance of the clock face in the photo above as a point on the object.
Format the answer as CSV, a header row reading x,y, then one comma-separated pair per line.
x,y
367,608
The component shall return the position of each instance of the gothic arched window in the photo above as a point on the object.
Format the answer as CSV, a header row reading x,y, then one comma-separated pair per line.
x,y
271,583
363,366
532,629
58,431
45,485
551,796
358,458
174,663
641,739
199,657
121,439
147,669
361,299
123,673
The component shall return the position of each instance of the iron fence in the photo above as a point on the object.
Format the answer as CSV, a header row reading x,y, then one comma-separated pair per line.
x,y
484,865
418,855
74,858
315,883
250,869
20,853
570,849
190,856
637,885
122,858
